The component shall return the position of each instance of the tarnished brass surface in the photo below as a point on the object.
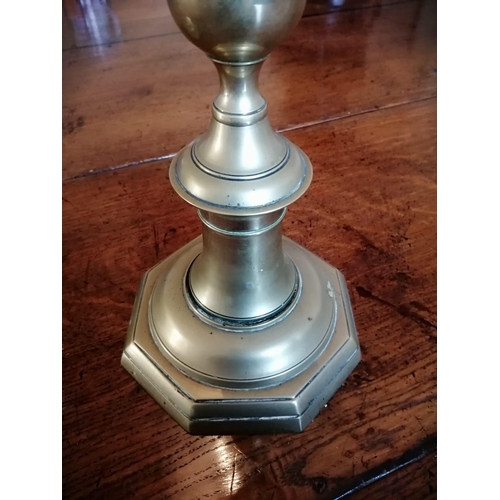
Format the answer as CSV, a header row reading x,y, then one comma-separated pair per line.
x,y
241,331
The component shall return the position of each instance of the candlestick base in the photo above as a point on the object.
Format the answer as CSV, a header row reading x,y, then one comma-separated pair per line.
x,y
218,379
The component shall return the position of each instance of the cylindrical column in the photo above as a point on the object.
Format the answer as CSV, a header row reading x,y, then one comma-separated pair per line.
x,y
242,272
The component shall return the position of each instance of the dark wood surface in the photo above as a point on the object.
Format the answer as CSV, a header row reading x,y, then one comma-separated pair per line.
x,y
97,23
413,481
133,102
370,211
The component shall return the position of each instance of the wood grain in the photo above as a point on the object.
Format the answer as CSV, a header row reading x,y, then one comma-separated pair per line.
x,y
97,23
133,102
370,211
416,481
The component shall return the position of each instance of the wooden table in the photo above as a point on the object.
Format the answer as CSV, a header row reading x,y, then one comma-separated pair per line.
x,y
355,87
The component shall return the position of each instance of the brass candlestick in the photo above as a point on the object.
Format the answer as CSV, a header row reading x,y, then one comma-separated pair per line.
x,y
242,330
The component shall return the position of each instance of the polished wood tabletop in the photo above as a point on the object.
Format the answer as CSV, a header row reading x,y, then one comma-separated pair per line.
x,y
354,86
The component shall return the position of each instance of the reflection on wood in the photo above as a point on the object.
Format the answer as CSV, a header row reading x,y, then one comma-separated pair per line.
x,y
102,22
136,101
370,211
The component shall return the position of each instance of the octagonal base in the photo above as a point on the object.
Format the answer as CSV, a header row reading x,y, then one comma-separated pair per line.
x,y
202,408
